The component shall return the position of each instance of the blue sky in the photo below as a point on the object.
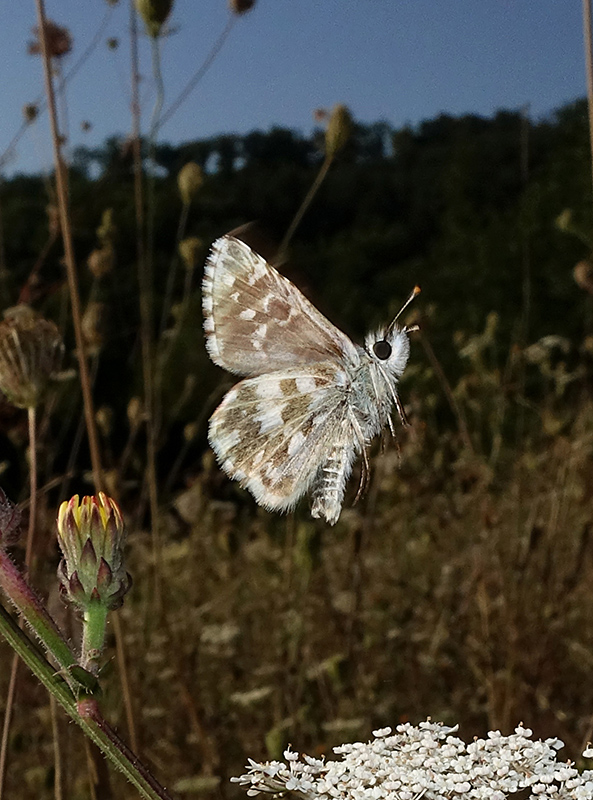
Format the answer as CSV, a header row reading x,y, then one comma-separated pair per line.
x,y
396,61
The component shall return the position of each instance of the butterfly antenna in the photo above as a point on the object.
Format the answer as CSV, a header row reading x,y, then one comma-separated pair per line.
x,y
415,291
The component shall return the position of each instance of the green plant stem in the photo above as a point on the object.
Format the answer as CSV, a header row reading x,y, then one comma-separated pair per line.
x,y
62,198
85,713
304,206
34,612
14,667
587,34
93,636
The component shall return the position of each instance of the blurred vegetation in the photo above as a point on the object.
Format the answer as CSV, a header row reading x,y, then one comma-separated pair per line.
x,y
460,585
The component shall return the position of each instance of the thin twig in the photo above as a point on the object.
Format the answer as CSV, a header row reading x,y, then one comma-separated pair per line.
x,y
304,206
587,28
203,69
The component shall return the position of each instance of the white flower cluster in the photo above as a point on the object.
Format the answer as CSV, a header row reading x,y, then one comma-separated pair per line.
x,y
428,762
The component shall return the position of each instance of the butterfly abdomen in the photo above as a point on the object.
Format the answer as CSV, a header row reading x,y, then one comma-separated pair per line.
x,y
327,492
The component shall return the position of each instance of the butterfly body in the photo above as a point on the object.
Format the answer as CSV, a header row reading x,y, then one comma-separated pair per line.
x,y
312,401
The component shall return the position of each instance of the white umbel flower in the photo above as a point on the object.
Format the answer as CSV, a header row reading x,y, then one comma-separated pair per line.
x,y
428,762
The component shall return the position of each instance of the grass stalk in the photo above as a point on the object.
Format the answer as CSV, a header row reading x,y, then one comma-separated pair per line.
x,y
303,208
66,228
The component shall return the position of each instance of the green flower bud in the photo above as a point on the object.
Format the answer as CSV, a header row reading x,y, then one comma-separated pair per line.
x,y
154,13
91,536
30,352
338,131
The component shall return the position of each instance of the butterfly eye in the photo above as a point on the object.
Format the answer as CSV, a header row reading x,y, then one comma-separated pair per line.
x,y
382,349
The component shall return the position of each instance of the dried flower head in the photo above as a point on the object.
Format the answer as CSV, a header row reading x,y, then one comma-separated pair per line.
x,y
339,130
94,324
241,6
31,351
154,13
57,37
191,251
30,112
107,229
100,261
91,536
583,275
189,181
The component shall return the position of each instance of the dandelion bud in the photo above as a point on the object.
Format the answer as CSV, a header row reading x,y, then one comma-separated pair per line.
x,y
154,13
241,6
30,352
189,181
191,251
91,536
338,131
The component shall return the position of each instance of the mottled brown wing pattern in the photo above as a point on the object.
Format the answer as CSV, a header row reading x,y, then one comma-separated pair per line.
x,y
257,321
273,432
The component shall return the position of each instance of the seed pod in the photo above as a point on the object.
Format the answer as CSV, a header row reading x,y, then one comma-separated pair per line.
x,y
154,13
31,351
338,131
189,181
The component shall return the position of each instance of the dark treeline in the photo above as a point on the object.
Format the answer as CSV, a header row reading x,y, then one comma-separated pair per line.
x,y
467,207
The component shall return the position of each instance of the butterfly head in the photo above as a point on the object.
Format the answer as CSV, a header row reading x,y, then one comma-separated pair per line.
x,y
390,347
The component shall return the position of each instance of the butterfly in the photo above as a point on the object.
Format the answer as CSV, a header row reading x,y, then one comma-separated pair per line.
x,y
312,399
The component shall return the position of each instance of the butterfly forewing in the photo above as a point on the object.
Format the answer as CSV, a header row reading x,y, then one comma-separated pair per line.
x,y
257,321
272,432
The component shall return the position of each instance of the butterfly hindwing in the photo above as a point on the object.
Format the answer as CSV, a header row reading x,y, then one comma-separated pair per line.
x,y
273,432
257,321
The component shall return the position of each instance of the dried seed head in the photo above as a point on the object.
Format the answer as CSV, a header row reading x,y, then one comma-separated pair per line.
x,y
104,418
31,351
339,130
189,181
191,251
58,38
94,325
241,6
107,229
30,112
154,13
135,412
53,219
91,536
583,275
100,261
